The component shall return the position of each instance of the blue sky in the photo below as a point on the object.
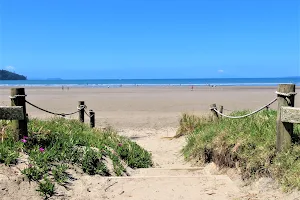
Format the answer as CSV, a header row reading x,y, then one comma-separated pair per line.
x,y
93,39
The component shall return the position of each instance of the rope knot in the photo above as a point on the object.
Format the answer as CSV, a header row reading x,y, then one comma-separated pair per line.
x,y
82,107
286,94
17,95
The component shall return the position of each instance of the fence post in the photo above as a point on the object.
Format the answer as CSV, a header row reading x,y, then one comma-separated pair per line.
x,y
81,112
18,99
92,119
221,109
284,129
214,113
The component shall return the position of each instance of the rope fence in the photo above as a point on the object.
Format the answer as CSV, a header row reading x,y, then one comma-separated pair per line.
x,y
59,114
18,100
247,115
287,115
281,94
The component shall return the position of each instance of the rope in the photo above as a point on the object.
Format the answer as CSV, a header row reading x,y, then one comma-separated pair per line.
x,y
17,95
238,117
60,114
86,113
286,94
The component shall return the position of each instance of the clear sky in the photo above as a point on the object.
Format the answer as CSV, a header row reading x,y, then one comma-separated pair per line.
x,y
98,39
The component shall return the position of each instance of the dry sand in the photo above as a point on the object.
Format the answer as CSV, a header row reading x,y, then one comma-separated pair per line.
x,y
143,107
148,115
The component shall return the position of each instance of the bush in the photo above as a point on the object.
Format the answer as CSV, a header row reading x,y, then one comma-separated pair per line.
x,y
248,144
55,144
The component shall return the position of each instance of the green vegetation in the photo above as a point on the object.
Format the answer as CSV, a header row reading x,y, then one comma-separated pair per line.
x,y
7,75
248,144
57,145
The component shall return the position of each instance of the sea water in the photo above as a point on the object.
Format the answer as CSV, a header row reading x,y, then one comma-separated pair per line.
x,y
153,82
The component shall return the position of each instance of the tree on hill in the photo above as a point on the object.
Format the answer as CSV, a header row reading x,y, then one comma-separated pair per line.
x,y
7,75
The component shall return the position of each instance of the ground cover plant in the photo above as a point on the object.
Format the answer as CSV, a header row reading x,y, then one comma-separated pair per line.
x,y
248,144
53,146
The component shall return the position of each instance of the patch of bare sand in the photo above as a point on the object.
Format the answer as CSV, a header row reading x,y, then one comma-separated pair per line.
x,y
165,150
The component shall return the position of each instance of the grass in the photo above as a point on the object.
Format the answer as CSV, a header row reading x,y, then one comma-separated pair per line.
x,y
55,145
248,144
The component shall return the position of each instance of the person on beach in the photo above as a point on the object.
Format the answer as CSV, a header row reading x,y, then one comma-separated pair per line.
x,y
192,88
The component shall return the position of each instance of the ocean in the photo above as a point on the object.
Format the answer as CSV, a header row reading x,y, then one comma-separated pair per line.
x,y
153,82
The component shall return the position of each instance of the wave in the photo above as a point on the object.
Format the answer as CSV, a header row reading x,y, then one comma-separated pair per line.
x,y
139,85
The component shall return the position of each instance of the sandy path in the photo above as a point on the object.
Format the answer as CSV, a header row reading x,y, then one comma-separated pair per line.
x,y
165,152
172,178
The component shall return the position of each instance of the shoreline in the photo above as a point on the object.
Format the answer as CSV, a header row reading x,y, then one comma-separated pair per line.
x,y
141,85
148,87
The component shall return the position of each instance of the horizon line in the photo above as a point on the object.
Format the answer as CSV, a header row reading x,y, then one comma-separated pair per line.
x,y
68,79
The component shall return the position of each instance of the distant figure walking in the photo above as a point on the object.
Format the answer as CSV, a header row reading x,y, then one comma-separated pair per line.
x,y
192,88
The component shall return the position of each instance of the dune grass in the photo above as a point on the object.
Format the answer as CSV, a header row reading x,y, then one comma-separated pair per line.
x,y
55,145
248,144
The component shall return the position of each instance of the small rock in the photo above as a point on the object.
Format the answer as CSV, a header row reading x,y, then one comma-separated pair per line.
x,y
211,193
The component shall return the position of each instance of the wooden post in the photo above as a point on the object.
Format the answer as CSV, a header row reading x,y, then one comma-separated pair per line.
x,y
18,99
92,119
221,108
214,113
284,129
81,112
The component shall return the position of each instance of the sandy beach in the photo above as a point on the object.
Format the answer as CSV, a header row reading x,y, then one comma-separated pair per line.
x,y
143,107
149,115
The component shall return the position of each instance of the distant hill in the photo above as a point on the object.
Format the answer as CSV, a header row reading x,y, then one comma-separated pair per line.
x,y
7,75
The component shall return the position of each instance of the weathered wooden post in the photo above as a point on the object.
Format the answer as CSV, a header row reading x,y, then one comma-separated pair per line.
x,y
81,105
18,99
221,110
285,97
214,113
92,119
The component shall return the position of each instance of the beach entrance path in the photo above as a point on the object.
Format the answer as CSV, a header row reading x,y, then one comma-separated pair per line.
x,y
171,178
